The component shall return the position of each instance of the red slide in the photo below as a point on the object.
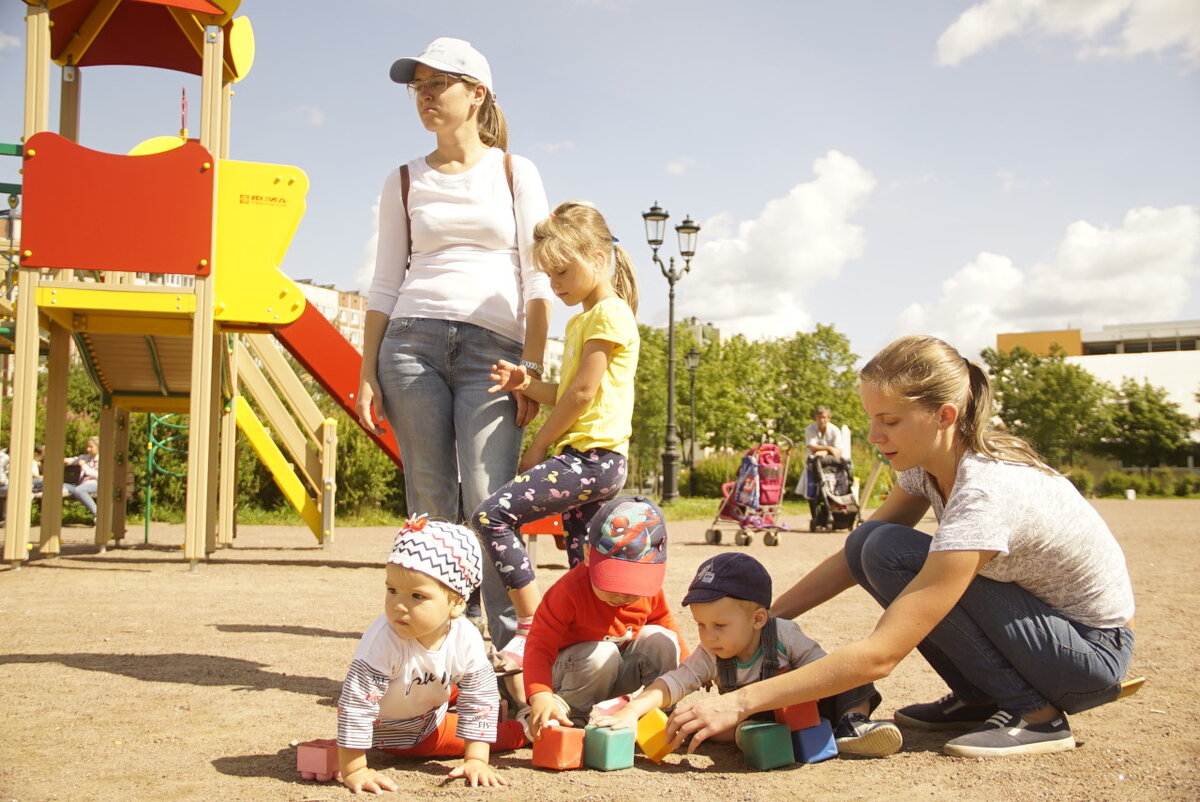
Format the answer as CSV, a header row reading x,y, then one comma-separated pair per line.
x,y
333,362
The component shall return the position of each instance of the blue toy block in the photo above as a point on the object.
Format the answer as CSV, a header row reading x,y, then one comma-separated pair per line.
x,y
607,749
765,745
814,744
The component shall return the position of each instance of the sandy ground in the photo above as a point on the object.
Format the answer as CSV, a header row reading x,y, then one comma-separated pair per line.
x,y
126,676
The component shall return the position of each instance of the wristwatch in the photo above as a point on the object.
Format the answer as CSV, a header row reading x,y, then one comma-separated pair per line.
x,y
536,367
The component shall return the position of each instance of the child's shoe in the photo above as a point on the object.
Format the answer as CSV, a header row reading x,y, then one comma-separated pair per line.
x,y
514,651
523,715
856,734
1006,733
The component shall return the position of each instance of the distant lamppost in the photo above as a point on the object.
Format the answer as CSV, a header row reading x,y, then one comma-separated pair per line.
x,y
656,220
692,360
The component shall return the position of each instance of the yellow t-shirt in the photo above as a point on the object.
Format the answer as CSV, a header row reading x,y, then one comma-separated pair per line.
x,y
608,422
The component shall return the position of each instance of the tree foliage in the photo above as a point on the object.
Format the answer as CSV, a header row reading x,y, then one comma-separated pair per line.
x,y
1149,429
1057,406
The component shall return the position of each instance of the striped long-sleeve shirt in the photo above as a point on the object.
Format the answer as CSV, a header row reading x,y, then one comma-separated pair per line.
x,y
396,692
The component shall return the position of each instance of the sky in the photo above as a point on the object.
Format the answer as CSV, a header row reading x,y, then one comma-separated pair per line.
x,y
938,166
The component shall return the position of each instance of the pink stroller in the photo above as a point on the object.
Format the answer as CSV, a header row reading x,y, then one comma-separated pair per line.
x,y
752,501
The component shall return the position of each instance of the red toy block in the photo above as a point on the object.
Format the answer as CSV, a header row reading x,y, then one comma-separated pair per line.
x,y
799,717
317,760
559,748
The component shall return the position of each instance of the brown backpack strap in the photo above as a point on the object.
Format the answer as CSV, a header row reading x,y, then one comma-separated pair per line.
x,y
508,175
404,182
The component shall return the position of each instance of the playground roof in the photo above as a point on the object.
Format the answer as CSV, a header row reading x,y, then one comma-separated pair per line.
x,y
168,34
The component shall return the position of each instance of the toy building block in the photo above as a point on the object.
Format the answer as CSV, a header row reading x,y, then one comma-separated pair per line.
x,y
798,717
559,748
317,760
765,745
607,749
652,735
814,744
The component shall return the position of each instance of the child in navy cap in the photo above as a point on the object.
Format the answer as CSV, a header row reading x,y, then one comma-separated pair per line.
x,y
741,643
604,628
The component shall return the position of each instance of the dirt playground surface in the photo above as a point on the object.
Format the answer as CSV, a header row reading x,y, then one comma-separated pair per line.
x,y
125,676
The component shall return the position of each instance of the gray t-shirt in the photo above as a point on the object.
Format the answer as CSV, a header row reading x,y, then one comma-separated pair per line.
x,y
1049,539
700,668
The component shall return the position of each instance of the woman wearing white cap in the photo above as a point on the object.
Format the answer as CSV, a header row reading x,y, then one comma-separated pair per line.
x,y
455,291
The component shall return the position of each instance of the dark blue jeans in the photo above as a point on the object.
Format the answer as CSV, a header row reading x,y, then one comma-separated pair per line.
x,y
999,643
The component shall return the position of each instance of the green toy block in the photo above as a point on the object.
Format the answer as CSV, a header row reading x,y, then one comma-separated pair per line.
x,y
814,744
607,749
766,745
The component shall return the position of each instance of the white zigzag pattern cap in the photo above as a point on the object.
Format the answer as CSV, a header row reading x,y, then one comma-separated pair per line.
x,y
447,552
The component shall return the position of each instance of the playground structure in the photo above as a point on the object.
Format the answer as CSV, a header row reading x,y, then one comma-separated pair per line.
x,y
200,347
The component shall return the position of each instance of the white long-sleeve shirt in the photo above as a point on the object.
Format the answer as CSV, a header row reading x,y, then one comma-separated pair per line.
x,y
471,243
396,692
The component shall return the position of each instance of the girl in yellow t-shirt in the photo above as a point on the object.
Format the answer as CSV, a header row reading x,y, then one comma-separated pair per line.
x,y
588,431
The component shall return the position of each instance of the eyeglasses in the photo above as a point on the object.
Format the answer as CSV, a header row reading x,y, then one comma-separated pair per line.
x,y
435,84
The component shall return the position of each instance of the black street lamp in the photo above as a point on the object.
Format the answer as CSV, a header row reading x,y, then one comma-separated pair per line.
x,y
656,220
692,360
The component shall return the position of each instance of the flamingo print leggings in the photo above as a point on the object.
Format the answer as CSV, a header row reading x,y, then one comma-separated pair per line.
x,y
575,484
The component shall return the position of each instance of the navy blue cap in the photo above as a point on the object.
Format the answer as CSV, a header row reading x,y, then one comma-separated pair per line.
x,y
734,574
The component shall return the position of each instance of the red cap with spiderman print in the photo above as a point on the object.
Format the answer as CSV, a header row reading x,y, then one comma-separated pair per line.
x,y
628,540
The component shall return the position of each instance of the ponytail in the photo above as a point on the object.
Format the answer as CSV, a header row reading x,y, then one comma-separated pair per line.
x,y
493,127
927,371
624,280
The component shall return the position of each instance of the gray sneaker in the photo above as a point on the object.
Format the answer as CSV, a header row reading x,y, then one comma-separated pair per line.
x,y
947,713
1006,733
856,734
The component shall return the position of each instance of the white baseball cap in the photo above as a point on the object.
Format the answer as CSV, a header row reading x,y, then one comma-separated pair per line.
x,y
448,55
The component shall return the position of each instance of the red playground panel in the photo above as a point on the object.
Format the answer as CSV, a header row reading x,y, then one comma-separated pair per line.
x,y
87,210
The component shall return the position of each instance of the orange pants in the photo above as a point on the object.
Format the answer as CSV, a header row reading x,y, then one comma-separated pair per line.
x,y
442,742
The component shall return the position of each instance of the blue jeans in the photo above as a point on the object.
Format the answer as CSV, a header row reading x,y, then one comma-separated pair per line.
x,y
453,434
999,643
82,492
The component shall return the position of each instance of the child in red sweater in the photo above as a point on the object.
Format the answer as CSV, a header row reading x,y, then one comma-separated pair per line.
x,y
604,628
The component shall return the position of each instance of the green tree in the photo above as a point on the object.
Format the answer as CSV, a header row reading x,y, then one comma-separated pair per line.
x,y
1057,406
1149,429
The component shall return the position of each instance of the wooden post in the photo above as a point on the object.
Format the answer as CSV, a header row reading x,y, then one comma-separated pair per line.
x,y
328,479
196,525
106,482
227,506
58,368
27,335
122,481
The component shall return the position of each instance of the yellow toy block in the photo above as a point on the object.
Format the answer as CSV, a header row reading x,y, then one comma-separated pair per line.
x,y
652,735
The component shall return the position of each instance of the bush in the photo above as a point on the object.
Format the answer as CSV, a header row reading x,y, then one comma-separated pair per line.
x,y
1187,484
712,472
1161,482
1083,479
1115,483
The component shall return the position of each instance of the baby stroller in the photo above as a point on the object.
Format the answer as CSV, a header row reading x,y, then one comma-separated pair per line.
x,y
752,501
831,500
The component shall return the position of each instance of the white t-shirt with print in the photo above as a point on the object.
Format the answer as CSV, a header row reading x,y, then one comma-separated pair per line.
x,y
1049,539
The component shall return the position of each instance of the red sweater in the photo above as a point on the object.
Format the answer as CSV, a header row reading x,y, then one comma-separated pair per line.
x,y
571,613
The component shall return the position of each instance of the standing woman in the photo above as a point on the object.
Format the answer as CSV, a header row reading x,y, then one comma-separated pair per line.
x,y
454,292
1020,600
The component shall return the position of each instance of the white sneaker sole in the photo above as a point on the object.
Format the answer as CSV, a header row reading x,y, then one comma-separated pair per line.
x,y
878,742
1037,748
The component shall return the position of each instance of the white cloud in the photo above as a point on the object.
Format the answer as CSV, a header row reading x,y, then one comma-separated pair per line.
x,y
1008,180
8,42
753,277
366,269
309,114
679,166
1142,270
1141,26
555,147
